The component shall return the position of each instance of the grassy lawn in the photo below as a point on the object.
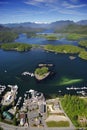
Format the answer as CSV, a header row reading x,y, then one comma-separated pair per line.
x,y
58,124
84,98
76,109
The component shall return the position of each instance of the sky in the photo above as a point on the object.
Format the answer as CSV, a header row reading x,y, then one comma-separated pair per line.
x,y
42,11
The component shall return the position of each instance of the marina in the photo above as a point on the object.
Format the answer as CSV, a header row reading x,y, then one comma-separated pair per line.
x,y
10,96
2,89
82,93
76,88
81,90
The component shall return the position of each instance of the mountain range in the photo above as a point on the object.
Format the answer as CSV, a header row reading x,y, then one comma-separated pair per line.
x,y
58,24
57,27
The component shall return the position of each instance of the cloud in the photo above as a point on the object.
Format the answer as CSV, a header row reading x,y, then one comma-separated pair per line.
x,y
31,3
63,7
55,4
68,5
40,2
73,12
77,6
46,6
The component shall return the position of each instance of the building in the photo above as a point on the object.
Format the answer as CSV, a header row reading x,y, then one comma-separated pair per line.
x,y
42,107
7,115
22,118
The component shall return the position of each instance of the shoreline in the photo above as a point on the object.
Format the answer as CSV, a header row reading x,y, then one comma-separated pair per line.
x,y
39,78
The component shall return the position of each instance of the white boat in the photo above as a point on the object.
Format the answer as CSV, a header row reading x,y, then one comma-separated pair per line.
x,y
25,95
28,73
68,88
27,91
32,75
20,98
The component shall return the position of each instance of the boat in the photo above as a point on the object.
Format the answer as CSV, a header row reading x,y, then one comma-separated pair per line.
x,y
25,95
28,73
19,100
42,65
32,75
76,88
84,88
81,92
72,57
27,91
68,88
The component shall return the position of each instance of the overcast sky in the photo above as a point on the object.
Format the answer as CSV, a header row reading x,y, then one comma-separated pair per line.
x,y
43,11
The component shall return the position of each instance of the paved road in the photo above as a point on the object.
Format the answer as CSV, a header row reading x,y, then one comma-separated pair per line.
x,y
11,127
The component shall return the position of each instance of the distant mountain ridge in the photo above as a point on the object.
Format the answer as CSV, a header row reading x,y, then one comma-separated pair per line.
x,y
3,28
82,22
55,24
25,24
62,26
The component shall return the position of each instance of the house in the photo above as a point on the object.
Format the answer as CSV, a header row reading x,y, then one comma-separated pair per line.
x,y
42,107
22,118
7,115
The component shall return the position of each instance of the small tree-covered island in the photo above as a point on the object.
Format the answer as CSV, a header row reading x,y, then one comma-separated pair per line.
x,y
42,73
67,49
16,47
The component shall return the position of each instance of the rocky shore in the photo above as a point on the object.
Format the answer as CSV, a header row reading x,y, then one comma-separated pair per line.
x,y
41,77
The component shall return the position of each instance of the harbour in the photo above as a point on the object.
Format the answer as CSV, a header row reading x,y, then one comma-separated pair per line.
x,y
19,69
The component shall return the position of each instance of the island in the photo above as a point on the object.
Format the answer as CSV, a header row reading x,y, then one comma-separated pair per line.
x,y
75,36
51,37
83,55
83,43
42,73
67,49
16,47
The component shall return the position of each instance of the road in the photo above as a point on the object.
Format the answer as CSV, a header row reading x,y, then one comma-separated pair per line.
x,y
11,127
